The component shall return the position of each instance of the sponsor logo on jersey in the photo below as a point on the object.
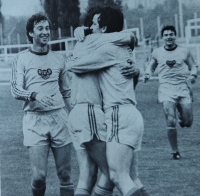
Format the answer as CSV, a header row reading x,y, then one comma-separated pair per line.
x,y
45,73
171,63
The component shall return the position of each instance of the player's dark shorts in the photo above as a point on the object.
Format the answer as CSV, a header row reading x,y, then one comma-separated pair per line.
x,y
125,125
85,121
46,128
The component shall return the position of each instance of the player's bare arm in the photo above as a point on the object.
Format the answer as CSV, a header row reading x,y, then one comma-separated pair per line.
x,y
193,68
121,38
79,33
150,69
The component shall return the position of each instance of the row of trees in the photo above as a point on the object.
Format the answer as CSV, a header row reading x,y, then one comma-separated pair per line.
x,y
65,14
166,13
1,25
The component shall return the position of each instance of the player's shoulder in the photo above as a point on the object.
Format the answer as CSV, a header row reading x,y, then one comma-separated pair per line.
x,y
57,59
183,48
159,49
21,55
23,52
57,55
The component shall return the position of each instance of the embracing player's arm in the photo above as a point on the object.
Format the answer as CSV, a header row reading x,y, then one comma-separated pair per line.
x,y
151,67
192,66
118,38
17,81
94,61
97,60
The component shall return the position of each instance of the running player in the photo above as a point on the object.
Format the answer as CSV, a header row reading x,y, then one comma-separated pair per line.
x,y
40,79
174,90
124,122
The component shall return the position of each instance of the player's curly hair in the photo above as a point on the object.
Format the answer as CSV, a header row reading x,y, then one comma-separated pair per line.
x,y
168,27
34,19
110,17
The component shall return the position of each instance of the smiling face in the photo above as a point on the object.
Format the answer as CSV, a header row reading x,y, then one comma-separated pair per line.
x,y
41,33
169,38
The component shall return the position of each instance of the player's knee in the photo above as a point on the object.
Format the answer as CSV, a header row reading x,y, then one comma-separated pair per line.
x,y
39,179
91,176
187,123
114,176
64,176
171,124
93,173
39,183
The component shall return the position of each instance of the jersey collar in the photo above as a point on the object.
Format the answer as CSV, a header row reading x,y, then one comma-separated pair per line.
x,y
171,49
39,53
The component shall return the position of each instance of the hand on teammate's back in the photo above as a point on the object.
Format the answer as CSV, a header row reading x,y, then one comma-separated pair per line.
x,y
69,57
128,70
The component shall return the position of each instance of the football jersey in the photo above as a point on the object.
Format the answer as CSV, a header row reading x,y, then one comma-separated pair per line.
x,y
172,65
85,89
85,86
40,73
108,59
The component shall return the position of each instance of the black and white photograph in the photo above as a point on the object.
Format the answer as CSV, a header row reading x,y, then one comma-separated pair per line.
x,y
99,98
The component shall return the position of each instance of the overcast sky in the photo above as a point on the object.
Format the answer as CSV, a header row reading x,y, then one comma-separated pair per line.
x,y
24,7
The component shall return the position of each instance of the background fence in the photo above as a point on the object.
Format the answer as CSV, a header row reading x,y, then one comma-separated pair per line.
x,y
65,46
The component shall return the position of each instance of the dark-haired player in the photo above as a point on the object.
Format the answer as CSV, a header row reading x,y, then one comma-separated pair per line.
x,y
89,133
173,62
123,121
40,79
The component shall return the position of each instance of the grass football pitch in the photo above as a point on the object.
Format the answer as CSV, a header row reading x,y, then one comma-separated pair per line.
x,y
161,175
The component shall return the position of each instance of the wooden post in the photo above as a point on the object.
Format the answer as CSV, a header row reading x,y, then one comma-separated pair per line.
x,y
1,34
9,43
59,36
195,24
181,18
71,31
18,41
176,24
142,29
158,24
